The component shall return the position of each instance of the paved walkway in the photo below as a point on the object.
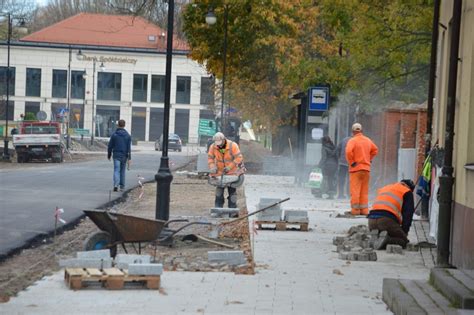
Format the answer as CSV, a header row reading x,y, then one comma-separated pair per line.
x,y
297,273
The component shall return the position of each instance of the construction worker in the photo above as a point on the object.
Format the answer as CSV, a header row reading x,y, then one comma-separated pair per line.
x,y
224,157
392,213
360,151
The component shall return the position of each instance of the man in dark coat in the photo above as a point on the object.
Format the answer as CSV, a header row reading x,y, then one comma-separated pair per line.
x,y
120,148
328,166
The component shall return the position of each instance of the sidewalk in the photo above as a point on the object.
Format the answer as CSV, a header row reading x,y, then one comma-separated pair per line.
x,y
297,273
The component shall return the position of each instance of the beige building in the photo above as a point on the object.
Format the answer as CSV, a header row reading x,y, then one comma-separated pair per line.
x,y
462,222
116,66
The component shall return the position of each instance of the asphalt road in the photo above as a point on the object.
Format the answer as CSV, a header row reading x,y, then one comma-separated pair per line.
x,y
29,196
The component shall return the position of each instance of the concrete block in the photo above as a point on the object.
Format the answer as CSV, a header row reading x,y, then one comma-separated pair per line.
x,y
86,263
452,288
230,257
224,212
145,269
94,254
124,260
394,249
296,216
411,247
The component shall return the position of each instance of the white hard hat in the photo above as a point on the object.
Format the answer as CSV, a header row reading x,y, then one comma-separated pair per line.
x,y
356,127
218,136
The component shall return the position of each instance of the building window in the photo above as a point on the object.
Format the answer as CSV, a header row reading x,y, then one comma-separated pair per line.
x,y
60,83
3,81
109,86
183,90
158,88
33,82
3,109
207,91
140,83
78,85
31,109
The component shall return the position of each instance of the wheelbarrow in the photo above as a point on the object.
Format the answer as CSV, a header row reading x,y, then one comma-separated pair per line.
x,y
118,229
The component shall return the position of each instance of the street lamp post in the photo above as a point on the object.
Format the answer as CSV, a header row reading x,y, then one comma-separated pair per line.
x,y
6,153
211,20
81,56
164,177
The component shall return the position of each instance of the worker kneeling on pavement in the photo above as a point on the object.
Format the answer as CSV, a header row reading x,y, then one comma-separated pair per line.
x,y
224,157
392,213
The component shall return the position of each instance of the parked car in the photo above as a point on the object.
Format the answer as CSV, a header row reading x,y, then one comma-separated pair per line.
x,y
174,143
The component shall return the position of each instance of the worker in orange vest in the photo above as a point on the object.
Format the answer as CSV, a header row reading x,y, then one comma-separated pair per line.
x,y
360,151
224,157
392,213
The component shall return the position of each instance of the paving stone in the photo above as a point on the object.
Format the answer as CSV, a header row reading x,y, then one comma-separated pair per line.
x,y
95,254
338,240
124,260
230,257
394,249
86,263
296,216
145,269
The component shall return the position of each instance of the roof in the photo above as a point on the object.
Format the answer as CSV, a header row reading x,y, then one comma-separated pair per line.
x,y
106,30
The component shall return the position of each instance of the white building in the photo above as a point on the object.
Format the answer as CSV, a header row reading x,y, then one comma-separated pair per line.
x,y
130,87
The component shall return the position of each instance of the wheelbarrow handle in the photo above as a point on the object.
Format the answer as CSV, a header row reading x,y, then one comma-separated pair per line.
x,y
255,212
175,220
173,232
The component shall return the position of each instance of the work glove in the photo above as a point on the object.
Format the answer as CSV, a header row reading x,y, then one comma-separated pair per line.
x,y
213,170
226,169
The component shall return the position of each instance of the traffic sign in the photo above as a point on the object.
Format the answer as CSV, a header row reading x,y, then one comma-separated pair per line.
x,y
207,127
319,98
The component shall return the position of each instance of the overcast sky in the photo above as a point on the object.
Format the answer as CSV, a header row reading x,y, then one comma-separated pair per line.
x,y
41,2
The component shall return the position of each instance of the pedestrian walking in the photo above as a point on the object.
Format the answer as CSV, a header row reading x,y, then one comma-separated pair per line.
x,y
360,151
392,213
120,149
328,166
224,157
343,168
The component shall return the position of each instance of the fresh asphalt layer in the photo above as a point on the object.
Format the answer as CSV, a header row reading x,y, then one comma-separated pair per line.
x,y
29,196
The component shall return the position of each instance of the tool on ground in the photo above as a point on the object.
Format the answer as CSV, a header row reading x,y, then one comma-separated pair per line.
x,y
217,228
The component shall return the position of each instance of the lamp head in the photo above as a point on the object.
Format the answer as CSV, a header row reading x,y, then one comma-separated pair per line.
x,y
211,18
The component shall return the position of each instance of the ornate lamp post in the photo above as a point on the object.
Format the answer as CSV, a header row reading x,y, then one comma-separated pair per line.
x,y
211,19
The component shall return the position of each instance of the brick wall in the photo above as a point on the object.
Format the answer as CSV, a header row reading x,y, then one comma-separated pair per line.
x,y
390,130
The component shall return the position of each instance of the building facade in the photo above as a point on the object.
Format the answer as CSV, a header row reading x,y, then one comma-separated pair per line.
x,y
462,221
116,66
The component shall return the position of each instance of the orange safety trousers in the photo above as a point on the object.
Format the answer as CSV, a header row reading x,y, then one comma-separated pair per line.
x,y
359,186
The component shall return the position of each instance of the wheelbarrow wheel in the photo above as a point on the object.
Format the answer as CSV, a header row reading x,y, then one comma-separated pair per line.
x,y
100,240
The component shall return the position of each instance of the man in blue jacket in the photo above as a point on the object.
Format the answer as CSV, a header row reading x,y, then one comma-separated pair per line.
x,y
120,148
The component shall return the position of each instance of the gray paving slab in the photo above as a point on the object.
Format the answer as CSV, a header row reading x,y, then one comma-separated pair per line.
x,y
230,257
463,278
94,254
456,292
421,297
145,269
86,263
439,299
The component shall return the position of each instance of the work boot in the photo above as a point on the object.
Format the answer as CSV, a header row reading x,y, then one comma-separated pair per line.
x,y
115,188
364,211
355,211
382,241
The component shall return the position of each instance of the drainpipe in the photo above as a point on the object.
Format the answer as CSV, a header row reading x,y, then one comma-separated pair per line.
x,y
446,180
431,91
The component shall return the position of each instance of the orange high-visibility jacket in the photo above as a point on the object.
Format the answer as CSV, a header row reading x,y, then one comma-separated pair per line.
x,y
230,157
390,198
360,150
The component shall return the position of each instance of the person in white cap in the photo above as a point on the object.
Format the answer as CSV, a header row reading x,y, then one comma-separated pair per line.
x,y
360,151
224,157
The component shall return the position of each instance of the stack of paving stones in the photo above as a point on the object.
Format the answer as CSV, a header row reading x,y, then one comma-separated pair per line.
x,y
296,216
357,245
273,214
99,259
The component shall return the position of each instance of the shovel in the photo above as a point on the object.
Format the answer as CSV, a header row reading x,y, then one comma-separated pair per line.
x,y
214,233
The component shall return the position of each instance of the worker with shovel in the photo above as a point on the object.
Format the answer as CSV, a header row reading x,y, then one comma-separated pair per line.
x,y
225,160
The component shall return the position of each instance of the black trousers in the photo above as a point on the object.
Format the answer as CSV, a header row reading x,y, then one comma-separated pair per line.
x,y
343,174
231,199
